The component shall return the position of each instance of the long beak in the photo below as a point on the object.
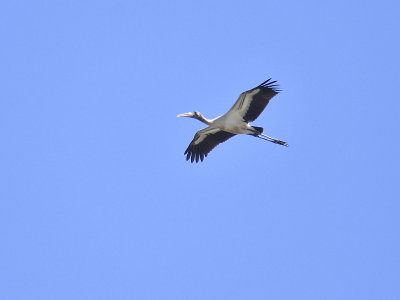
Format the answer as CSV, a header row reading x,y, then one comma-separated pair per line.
x,y
185,115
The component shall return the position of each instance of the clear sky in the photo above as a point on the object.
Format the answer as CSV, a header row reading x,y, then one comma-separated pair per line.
x,y
97,200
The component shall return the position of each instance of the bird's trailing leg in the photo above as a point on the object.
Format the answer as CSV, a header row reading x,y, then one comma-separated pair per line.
x,y
270,139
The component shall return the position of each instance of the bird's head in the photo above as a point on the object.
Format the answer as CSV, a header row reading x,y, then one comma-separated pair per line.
x,y
194,114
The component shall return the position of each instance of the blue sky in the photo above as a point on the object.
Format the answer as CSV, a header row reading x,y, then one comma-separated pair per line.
x,y
97,200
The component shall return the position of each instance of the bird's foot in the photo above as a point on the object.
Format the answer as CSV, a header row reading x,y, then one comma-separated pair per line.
x,y
280,142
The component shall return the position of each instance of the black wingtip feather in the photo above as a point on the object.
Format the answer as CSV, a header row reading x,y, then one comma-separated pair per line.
x,y
271,85
265,82
197,152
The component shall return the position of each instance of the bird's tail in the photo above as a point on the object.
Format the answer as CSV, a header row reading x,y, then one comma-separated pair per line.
x,y
259,129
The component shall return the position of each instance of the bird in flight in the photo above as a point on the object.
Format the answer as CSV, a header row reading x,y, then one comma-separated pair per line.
x,y
246,109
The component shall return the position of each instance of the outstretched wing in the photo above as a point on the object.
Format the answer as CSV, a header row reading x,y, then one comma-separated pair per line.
x,y
251,103
204,141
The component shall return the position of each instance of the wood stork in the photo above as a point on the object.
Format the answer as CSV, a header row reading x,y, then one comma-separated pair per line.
x,y
246,109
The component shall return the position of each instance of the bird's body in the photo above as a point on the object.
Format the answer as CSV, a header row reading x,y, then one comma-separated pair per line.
x,y
246,109
230,123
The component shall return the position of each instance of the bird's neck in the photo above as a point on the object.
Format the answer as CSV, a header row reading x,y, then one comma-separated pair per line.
x,y
204,119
